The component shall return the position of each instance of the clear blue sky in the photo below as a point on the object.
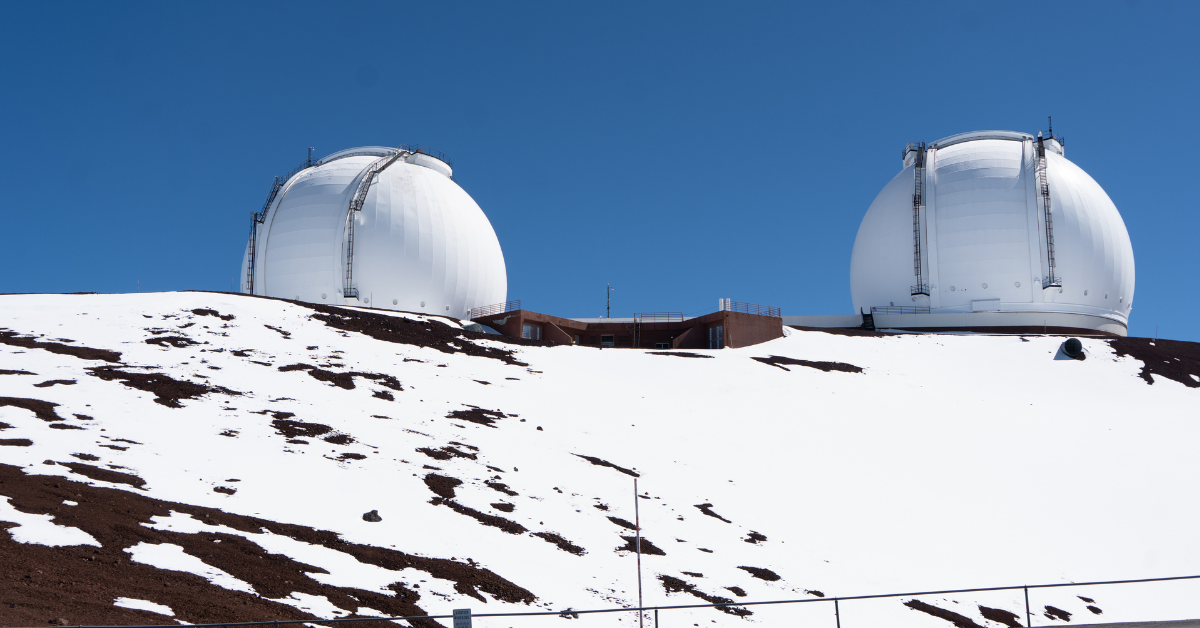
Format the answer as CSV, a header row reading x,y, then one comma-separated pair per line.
x,y
682,151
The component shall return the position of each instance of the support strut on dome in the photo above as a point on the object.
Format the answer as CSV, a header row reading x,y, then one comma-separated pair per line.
x,y
349,290
918,202
1052,279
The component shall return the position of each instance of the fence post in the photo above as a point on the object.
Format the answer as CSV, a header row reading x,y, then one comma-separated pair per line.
x,y
837,615
1028,621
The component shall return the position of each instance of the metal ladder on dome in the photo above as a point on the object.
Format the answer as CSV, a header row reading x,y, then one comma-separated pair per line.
x,y
349,290
868,320
1052,280
260,217
918,201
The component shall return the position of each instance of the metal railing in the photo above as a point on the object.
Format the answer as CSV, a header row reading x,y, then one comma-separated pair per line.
x,y
425,150
658,317
729,305
461,614
495,308
900,309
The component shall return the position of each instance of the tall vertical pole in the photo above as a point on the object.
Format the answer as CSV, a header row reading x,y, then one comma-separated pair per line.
x,y
1028,621
637,528
608,308
837,614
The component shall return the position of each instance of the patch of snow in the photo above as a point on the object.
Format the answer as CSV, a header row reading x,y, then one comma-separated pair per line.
x,y
144,605
68,502
41,530
172,557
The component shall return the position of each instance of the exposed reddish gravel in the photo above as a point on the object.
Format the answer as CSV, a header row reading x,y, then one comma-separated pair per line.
x,y
604,463
1001,616
507,525
960,621
477,415
561,543
1173,359
14,339
761,574
779,361
648,548
708,510
674,585
442,485
343,380
167,390
40,584
444,338
43,410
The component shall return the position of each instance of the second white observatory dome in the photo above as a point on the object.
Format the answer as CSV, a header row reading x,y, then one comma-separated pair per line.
x,y
377,226
999,223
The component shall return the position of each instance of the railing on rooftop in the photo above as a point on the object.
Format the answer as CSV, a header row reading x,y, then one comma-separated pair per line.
x,y
650,613
425,150
729,305
658,317
900,309
495,308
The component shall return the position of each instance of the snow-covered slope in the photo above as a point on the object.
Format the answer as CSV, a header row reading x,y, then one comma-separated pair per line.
x,y
212,456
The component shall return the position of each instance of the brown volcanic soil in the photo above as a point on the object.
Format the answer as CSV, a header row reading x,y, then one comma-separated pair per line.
x,y
211,312
15,442
12,338
1057,613
707,509
442,485
104,475
477,415
960,621
507,525
648,548
1173,359
779,361
675,585
562,543
1001,616
167,390
51,382
443,338
604,463
343,380
40,584
43,410
179,342
12,372
761,574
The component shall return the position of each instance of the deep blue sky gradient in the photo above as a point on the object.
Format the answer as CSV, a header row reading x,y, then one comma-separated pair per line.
x,y
682,151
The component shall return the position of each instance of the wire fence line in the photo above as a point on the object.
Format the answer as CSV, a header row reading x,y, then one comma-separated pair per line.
x,y
570,612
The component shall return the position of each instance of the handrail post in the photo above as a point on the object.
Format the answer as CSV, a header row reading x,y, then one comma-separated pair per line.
x,y
837,615
1028,615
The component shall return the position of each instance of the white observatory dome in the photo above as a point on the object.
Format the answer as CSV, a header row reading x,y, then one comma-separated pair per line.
x,y
997,224
383,227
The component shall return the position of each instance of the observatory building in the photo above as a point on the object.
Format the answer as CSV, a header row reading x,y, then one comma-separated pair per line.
x,y
384,227
992,231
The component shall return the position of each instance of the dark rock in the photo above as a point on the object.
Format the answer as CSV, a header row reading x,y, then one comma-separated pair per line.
x,y
372,516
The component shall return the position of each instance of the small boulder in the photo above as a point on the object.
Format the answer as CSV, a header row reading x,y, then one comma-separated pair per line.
x,y
372,516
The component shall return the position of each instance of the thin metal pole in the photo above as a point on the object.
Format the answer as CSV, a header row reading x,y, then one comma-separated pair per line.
x,y
837,615
1028,621
637,528
656,618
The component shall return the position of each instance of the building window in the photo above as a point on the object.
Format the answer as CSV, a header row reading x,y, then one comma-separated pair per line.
x,y
607,340
716,337
531,332
662,345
